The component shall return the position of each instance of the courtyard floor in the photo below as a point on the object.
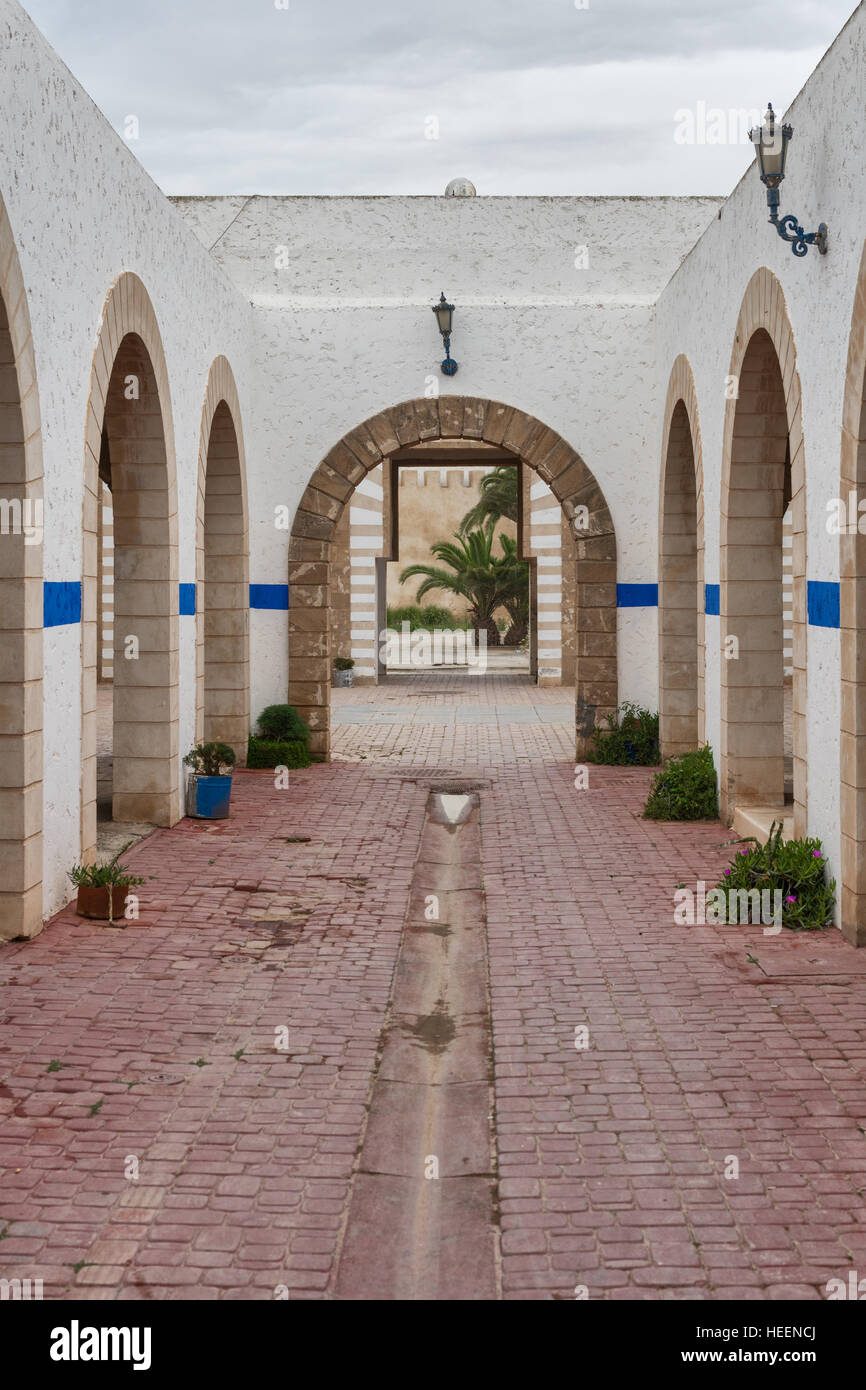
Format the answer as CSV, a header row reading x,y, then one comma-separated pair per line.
x,y
240,1094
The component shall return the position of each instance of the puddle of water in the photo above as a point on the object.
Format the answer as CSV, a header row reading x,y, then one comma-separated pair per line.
x,y
435,1031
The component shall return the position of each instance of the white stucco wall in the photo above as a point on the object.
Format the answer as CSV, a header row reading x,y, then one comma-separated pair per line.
x,y
82,211
697,315
571,309
345,330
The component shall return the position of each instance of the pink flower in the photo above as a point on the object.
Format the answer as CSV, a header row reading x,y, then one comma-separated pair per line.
x,y
727,871
744,851
816,854
790,900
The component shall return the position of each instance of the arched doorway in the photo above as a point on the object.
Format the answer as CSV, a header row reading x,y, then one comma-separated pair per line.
x,y
21,611
682,715
451,417
852,611
222,570
764,476
130,447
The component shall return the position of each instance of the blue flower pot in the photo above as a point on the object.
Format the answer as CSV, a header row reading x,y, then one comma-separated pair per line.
x,y
208,797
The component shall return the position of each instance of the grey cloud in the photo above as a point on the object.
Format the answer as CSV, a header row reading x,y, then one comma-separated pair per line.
x,y
331,95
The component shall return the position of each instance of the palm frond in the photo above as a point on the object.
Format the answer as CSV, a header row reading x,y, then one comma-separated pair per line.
x,y
499,498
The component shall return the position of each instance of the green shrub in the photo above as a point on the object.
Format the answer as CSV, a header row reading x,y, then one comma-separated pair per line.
x,y
796,867
277,752
343,663
631,738
281,724
685,789
426,617
210,759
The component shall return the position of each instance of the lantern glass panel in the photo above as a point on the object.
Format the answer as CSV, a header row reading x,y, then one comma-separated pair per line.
x,y
444,314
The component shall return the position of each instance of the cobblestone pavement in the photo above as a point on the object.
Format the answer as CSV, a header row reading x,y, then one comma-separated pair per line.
x,y
161,1136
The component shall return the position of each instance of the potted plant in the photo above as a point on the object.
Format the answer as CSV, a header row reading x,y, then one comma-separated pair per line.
x,y
343,673
209,787
103,888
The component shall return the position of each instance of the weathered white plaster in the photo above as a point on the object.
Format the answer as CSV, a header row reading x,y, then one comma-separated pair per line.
x,y
82,211
697,315
637,631
554,317
571,309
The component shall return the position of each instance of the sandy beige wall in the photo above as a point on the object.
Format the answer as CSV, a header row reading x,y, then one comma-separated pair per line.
x,y
428,513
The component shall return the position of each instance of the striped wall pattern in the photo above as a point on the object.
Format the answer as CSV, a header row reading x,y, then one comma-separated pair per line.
x,y
788,595
366,542
545,544
105,598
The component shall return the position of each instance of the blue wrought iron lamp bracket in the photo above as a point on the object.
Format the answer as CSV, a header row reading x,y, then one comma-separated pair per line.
x,y
790,230
449,366
771,143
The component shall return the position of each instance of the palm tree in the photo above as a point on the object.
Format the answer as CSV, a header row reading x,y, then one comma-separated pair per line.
x,y
498,499
515,577
485,580
471,574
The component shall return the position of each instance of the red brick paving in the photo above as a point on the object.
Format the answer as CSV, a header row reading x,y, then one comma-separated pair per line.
x,y
611,1160
244,1163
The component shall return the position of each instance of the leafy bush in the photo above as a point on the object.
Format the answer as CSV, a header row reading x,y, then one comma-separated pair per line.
x,y
281,724
211,759
104,875
685,789
631,738
343,663
426,617
277,752
796,867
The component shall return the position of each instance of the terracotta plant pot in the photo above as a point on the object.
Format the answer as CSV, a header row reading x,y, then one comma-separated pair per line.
x,y
99,904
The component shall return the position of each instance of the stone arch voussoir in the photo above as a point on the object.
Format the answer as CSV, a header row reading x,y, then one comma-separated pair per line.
x,y
681,407
128,317
764,308
222,628
21,569
451,417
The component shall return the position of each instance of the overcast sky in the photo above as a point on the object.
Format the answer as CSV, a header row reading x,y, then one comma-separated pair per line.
x,y
530,96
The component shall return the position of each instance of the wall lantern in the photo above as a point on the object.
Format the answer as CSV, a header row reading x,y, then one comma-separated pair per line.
x,y
444,316
771,146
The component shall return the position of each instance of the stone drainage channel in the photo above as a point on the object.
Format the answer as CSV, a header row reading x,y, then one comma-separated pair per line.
x,y
423,1220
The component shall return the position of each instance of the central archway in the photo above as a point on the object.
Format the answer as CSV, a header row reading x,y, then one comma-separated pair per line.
x,y
416,422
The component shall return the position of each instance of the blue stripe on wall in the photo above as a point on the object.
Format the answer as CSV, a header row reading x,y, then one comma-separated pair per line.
x,y
822,603
269,596
61,602
186,600
637,595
